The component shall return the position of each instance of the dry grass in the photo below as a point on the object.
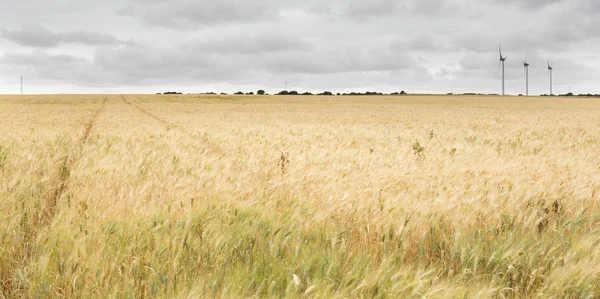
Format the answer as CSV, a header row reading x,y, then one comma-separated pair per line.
x,y
189,196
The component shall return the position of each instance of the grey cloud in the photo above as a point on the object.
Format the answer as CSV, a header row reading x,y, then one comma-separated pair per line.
x,y
187,14
555,36
487,66
589,6
206,60
251,44
429,6
192,63
444,72
529,4
141,64
125,11
366,9
372,10
45,67
340,60
38,36
420,44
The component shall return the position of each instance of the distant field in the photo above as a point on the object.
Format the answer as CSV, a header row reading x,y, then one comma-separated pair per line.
x,y
247,196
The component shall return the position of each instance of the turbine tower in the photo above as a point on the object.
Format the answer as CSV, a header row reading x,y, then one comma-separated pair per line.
x,y
502,59
21,85
550,68
526,68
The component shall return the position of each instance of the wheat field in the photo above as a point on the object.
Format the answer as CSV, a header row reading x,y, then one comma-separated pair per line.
x,y
189,196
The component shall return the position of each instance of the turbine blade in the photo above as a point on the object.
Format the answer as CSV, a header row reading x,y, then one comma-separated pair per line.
x,y
500,50
527,55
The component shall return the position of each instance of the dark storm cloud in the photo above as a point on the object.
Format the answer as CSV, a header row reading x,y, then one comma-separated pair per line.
x,y
38,36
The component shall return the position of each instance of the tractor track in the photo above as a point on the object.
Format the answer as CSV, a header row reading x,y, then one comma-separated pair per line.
x,y
42,218
69,162
155,117
209,146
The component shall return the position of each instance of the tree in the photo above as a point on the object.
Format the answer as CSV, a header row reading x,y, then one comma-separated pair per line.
x,y
239,92
260,92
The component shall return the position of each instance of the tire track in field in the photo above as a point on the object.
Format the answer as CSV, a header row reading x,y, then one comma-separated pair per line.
x,y
211,147
68,163
43,217
151,115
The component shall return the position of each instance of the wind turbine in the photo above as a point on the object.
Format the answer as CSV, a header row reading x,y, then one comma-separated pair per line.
x,y
550,68
526,68
502,59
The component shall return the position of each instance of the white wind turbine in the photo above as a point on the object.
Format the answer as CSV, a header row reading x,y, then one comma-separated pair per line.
x,y
502,60
526,68
550,68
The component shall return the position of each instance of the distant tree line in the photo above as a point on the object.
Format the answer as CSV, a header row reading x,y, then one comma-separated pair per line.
x,y
329,93
295,93
570,94
474,94
368,93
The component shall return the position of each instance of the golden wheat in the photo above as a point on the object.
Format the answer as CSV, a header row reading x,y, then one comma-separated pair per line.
x,y
248,196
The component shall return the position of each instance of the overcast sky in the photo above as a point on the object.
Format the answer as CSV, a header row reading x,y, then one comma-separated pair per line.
x,y
420,46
